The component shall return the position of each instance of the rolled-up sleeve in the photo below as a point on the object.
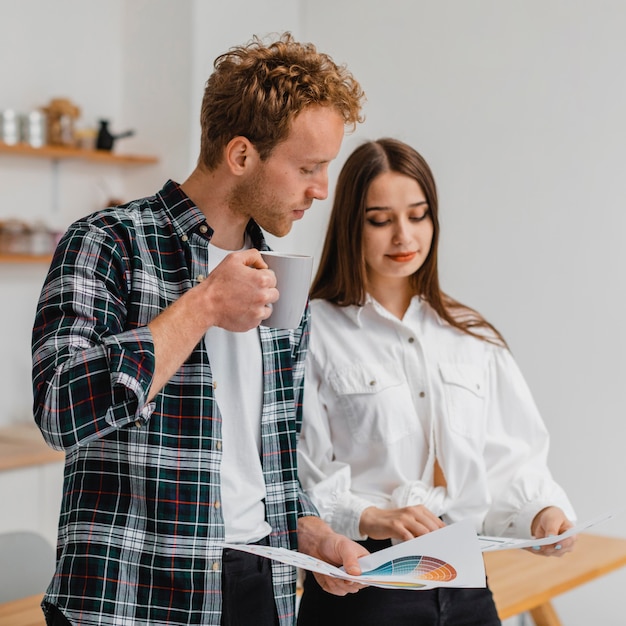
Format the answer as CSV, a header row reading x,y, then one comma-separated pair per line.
x,y
93,361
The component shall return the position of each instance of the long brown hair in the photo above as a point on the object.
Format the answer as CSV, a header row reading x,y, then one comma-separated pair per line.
x,y
341,275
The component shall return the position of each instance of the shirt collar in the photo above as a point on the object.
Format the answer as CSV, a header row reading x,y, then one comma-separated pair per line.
x,y
187,217
355,313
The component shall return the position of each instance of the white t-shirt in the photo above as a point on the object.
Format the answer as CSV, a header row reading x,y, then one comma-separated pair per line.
x,y
237,367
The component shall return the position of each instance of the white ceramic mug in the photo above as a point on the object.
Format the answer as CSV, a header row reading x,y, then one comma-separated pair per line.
x,y
293,280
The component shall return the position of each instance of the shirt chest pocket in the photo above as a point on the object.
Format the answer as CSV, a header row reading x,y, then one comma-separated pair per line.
x,y
374,403
464,393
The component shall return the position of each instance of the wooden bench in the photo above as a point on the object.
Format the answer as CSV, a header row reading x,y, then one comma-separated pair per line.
x,y
521,582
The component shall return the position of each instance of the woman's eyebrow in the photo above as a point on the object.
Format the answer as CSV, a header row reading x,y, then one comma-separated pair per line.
x,y
384,208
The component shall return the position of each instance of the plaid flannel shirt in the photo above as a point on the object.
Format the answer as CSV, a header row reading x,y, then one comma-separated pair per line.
x,y
141,526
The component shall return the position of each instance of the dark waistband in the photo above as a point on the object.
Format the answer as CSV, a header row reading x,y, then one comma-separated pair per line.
x,y
374,545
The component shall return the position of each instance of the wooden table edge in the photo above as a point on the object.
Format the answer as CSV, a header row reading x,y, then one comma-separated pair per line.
x,y
545,597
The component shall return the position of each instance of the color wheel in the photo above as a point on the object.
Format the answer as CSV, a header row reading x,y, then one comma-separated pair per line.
x,y
424,568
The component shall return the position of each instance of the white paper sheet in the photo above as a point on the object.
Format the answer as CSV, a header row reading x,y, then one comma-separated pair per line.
x,y
448,557
490,544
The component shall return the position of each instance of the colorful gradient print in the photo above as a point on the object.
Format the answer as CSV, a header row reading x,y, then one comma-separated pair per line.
x,y
423,568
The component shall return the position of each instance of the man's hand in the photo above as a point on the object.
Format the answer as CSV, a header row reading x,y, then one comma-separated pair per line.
x,y
316,538
236,294
548,522
405,523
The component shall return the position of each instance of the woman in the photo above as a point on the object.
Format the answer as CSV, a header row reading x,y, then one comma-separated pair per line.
x,y
415,413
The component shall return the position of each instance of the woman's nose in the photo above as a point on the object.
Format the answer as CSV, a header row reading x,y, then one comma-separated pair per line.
x,y
400,233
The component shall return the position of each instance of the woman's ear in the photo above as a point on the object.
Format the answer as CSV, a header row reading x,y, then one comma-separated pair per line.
x,y
240,155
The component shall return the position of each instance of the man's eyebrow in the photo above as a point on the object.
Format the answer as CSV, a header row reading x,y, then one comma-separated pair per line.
x,y
316,162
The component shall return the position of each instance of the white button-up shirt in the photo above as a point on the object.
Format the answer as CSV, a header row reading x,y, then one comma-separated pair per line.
x,y
384,397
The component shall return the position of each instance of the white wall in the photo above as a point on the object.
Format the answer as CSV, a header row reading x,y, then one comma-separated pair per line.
x,y
519,108
49,50
157,81
128,61
220,26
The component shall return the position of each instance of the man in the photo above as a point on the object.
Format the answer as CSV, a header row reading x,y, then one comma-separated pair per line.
x,y
177,412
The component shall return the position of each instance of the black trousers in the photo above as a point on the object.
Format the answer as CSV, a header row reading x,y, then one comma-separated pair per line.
x,y
374,606
54,617
247,593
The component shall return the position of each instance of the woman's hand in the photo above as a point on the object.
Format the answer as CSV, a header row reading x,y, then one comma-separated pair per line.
x,y
548,522
405,523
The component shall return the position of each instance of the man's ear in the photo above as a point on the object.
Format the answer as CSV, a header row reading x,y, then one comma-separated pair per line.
x,y
240,155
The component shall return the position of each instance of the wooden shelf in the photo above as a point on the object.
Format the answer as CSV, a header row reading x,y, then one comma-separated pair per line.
x,y
25,258
62,153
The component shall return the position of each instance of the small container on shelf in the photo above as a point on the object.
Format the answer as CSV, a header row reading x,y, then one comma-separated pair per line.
x,y
86,138
18,238
10,127
34,129
14,237
41,239
61,115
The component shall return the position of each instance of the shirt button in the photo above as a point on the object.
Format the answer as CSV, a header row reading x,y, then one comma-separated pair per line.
x,y
216,566
218,504
138,423
204,229
185,238
422,394
214,384
218,445
372,383
199,278
411,339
